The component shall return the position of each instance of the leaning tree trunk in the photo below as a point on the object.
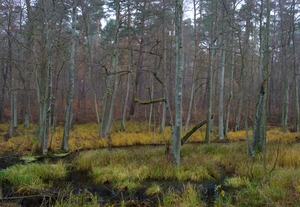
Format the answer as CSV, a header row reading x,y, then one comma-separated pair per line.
x,y
70,97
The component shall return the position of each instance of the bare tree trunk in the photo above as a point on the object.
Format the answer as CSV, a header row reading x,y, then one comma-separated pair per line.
x,y
189,114
164,106
212,55
44,85
221,97
259,128
70,97
28,57
151,94
178,82
284,69
228,109
112,81
12,88
3,85
140,61
296,80
126,97
86,18
123,125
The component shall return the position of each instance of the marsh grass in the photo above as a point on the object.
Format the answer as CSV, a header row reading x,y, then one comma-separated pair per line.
x,y
154,189
125,168
67,198
128,168
33,177
237,182
190,196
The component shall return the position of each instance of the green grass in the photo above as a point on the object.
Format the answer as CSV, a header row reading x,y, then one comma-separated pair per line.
x,y
126,168
33,177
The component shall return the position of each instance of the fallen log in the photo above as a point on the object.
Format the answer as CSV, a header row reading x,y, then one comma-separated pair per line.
x,y
187,135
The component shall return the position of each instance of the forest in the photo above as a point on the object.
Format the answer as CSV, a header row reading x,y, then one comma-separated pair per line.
x,y
149,103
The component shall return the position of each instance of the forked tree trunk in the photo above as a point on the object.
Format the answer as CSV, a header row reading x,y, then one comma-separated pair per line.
x,y
112,81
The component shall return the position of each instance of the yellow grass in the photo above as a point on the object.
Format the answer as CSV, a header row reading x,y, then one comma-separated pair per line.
x,y
86,136
274,134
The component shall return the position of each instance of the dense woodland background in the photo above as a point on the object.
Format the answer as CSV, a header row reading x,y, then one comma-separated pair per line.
x,y
117,59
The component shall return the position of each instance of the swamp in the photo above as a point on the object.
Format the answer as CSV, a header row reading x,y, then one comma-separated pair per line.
x,y
137,172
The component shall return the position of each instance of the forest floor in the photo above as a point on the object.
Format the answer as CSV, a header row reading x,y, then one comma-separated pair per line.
x,y
131,169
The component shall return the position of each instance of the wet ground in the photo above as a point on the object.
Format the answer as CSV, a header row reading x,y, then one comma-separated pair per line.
x,y
79,183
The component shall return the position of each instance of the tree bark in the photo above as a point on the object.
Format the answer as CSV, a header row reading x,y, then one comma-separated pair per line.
x,y
189,114
178,82
70,97
259,128
112,80
221,97
123,123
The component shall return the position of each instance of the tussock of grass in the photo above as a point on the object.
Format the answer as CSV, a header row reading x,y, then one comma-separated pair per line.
x,y
237,182
154,189
189,197
289,157
251,196
253,171
33,177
